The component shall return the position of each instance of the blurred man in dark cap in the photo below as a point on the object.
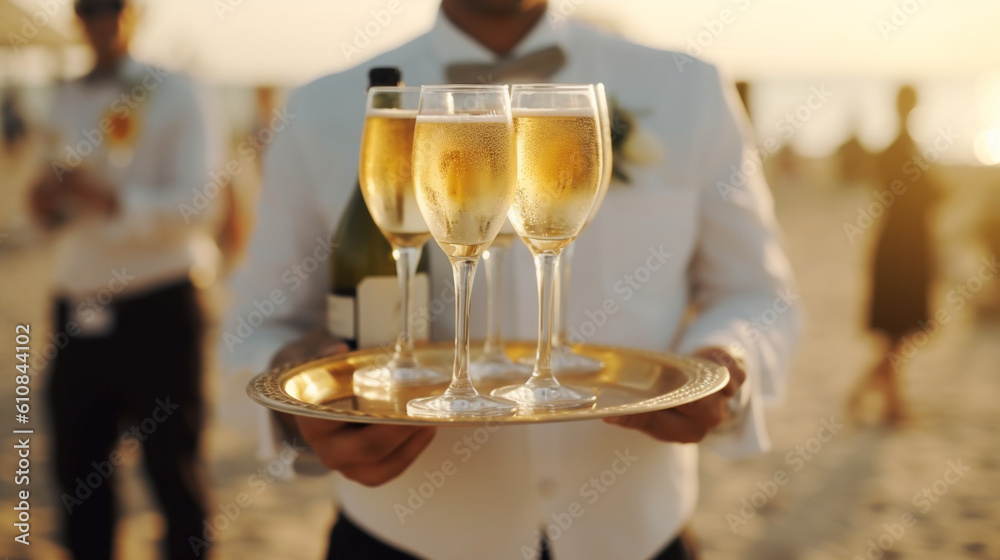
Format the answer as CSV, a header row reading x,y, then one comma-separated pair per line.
x,y
133,144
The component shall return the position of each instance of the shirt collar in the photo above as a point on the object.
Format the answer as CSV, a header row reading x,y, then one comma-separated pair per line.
x,y
450,44
127,69
132,69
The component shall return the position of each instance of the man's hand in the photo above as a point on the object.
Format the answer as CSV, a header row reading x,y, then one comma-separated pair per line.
x,y
48,202
53,200
371,454
690,423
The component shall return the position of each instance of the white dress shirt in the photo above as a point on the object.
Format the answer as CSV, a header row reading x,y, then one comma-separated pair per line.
x,y
160,234
667,240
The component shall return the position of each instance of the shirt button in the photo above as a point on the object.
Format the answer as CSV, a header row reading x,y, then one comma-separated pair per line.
x,y
546,486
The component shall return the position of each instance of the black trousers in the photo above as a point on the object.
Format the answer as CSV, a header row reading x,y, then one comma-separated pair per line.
x,y
138,386
350,542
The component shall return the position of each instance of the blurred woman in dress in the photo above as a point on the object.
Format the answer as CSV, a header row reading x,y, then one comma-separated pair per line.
x,y
902,270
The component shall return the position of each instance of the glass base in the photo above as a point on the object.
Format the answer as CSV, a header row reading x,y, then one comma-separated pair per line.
x,y
549,397
567,362
392,376
452,406
497,367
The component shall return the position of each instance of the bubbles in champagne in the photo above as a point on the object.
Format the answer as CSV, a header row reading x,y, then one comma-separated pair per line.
x,y
386,178
558,176
464,172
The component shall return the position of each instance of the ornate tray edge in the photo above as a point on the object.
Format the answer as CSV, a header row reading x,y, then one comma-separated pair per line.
x,y
266,389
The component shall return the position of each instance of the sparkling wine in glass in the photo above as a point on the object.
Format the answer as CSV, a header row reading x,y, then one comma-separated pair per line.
x,y
387,186
464,170
559,160
564,360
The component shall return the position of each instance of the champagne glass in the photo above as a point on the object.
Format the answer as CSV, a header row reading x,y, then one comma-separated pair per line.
x,y
559,160
564,359
387,186
464,171
494,362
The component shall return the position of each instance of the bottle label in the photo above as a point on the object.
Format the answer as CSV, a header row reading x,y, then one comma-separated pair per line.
x,y
379,308
340,316
373,318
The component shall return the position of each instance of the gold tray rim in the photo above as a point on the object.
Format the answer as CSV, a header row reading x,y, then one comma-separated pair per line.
x,y
704,378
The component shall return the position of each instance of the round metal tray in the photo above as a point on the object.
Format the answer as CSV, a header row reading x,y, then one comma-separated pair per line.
x,y
631,382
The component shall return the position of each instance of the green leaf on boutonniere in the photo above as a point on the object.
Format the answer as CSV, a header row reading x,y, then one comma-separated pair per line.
x,y
622,124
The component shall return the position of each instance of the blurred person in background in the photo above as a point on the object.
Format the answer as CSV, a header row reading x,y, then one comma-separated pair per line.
x,y
743,89
263,114
134,141
856,164
724,260
15,128
902,271
989,234
236,198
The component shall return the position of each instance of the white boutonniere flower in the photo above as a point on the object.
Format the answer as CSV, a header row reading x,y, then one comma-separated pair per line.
x,y
630,142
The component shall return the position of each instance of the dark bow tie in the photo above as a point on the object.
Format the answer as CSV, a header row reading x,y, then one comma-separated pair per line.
x,y
536,66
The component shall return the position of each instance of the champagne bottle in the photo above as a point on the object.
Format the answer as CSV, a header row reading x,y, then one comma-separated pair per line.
x,y
363,305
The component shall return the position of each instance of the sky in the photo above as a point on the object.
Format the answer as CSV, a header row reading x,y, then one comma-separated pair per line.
x,y
862,48
294,40
290,41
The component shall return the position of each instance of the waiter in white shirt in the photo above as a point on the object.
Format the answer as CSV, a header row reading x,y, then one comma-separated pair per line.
x,y
687,250
133,144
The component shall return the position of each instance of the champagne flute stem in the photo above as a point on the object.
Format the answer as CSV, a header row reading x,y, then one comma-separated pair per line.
x,y
406,267
461,383
561,325
494,301
545,270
